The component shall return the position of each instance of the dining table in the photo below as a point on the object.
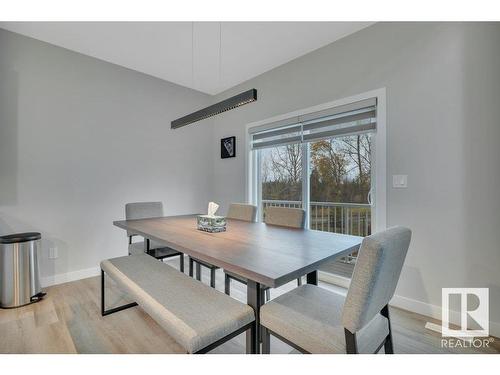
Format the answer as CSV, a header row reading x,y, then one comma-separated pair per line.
x,y
265,255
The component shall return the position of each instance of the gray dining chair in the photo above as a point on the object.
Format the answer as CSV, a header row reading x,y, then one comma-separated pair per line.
x,y
242,211
237,211
285,217
315,320
281,216
146,210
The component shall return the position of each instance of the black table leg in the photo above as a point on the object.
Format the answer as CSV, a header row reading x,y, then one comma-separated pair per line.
x,y
312,278
266,341
191,266
255,300
181,263
198,271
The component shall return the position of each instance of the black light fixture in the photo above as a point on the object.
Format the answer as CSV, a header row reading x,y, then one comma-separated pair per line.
x,y
223,106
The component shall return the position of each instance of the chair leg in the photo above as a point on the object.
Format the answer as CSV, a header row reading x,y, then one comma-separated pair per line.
x,y
299,281
103,301
181,263
190,266
261,330
198,271
212,277
268,295
351,346
388,345
266,341
252,349
227,284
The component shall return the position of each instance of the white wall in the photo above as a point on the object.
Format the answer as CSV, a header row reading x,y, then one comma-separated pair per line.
x,y
443,129
78,139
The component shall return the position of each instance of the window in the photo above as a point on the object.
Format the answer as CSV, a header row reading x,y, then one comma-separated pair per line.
x,y
281,176
324,162
340,184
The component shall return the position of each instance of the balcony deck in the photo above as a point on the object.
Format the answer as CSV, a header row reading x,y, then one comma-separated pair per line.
x,y
345,218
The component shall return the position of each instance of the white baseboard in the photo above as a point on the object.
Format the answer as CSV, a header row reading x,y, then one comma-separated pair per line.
x,y
334,279
422,308
70,276
434,311
409,304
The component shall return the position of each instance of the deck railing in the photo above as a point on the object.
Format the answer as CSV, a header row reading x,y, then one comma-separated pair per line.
x,y
345,218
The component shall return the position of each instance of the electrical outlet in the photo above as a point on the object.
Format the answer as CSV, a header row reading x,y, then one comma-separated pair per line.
x,y
53,253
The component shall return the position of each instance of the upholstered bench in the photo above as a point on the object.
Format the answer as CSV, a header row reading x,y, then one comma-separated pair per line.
x,y
198,317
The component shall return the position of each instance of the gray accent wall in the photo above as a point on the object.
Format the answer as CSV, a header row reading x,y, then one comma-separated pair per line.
x,y
443,130
79,138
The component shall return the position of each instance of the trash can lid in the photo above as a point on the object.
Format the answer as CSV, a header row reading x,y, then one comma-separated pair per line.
x,y
20,237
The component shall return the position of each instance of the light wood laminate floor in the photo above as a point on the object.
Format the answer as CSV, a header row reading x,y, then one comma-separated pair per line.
x,y
68,320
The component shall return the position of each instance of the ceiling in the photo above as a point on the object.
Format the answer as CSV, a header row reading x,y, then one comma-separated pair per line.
x,y
206,56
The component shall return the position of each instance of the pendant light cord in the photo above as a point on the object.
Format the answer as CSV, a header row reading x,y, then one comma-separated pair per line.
x,y
220,55
192,54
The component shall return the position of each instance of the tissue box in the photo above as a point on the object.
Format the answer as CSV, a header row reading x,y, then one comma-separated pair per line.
x,y
211,224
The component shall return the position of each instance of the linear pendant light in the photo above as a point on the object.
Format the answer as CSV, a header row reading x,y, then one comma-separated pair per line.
x,y
223,106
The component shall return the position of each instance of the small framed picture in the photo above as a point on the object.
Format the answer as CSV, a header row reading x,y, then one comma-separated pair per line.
x,y
228,147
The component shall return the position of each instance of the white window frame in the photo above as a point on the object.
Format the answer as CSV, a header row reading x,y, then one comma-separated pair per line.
x,y
379,192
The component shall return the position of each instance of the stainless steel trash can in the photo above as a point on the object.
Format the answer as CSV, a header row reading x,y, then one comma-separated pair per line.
x,y
19,271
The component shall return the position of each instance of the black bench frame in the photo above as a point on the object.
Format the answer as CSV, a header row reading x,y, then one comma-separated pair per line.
x,y
250,326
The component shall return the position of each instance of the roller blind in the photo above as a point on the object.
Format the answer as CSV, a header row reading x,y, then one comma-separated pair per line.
x,y
353,118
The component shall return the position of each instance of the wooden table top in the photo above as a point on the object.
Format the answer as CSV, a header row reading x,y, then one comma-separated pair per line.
x,y
267,254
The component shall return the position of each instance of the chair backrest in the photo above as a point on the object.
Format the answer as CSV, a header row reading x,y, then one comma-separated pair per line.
x,y
142,210
241,211
376,274
285,217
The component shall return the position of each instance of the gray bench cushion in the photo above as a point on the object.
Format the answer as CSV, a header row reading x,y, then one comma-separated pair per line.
x,y
194,314
310,317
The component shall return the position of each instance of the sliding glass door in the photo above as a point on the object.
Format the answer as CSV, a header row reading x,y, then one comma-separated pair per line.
x,y
340,186
334,187
331,179
281,177
340,182
323,162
